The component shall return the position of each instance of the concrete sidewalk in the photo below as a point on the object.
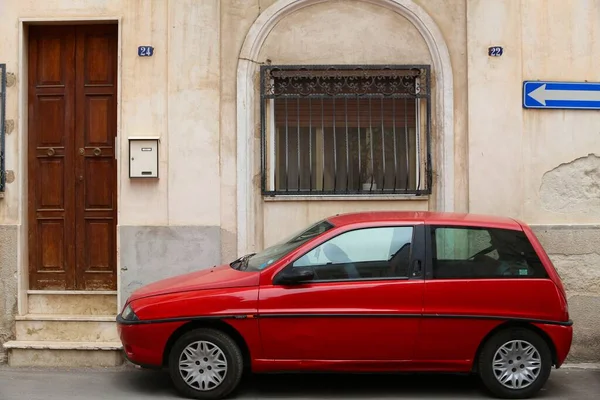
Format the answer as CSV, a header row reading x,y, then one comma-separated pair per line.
x,y
135,384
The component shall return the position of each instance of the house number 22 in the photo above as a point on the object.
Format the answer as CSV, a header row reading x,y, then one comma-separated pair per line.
x,y
495,51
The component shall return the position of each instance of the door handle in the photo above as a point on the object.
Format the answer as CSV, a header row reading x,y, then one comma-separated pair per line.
x,y
417,268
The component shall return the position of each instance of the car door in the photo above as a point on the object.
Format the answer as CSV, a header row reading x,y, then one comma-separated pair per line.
x,y
476,279
363,304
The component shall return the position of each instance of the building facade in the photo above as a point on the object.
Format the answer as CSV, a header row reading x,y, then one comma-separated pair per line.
x,y
149,138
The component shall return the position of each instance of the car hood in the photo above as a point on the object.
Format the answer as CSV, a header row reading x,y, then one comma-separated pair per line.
x,y
218,277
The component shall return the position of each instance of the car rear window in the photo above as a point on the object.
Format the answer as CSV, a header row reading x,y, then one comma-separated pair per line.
x,y
473,252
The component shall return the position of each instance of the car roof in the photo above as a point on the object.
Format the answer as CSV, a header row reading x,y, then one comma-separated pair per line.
x,y
428,217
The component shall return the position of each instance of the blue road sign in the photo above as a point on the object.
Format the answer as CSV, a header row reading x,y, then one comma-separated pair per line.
x,y
563,95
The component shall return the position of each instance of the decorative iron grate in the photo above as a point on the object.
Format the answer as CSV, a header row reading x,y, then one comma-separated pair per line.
x,y
2,127
339,130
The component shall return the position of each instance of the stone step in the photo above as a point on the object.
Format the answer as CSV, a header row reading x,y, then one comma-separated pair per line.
x,y
72,302
76,328
63,354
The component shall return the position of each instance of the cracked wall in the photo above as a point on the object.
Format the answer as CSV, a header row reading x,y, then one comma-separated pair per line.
x,y
575,252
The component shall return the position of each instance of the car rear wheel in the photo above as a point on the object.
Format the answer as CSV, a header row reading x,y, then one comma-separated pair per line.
x,y
515,363
205,364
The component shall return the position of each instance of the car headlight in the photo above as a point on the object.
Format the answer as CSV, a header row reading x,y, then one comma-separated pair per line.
x,y
128,314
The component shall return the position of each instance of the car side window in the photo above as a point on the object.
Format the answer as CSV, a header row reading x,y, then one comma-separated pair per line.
x,y
473,252
367,253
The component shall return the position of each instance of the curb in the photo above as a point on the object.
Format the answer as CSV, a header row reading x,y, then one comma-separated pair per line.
x,y
581,366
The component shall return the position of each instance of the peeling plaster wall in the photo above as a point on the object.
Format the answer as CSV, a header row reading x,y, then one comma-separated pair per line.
x,y
573,187
8,284
532,164
541,166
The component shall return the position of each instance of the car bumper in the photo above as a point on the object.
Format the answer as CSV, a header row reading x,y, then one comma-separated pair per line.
x,y
144,343
562,337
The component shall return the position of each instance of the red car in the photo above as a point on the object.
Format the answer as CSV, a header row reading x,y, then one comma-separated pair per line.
x,y
363,292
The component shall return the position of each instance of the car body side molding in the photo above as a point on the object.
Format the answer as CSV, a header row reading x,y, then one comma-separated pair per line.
x,y
121,321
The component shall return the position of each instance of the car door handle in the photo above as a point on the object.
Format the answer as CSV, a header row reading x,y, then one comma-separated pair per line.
x,y
417,268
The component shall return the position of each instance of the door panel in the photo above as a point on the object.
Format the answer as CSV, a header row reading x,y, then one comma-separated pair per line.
x,y
479,278
376,320
51,203
466,310
96,167
363,306
72,166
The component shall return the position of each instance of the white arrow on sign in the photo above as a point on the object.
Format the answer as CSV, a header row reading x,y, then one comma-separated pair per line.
x,y
542,95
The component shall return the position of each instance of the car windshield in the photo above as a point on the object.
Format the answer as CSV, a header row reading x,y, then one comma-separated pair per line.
x,y
259,261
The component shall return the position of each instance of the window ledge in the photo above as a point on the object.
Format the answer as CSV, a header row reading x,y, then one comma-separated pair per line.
x,y
342,197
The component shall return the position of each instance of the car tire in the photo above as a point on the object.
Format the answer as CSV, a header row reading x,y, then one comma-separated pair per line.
x,y
505,354
199,345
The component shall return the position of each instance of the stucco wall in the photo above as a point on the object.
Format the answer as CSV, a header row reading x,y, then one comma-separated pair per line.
x,y
174,95
237,17
358,32
540,158
541,166
8,284
349,32
451,18
151,253
575,252
283,218
177,94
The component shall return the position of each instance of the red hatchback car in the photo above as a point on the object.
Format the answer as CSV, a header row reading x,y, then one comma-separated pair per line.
x,y
363,292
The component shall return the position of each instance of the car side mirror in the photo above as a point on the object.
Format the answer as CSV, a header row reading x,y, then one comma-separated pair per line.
x,y
292,276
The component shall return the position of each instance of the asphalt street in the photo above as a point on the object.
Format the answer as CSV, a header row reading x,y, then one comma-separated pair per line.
x,y
130,383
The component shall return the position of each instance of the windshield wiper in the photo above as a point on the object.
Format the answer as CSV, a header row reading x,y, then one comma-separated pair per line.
x,y
242,262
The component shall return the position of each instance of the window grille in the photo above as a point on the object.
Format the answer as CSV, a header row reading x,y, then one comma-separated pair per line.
x,y
340,130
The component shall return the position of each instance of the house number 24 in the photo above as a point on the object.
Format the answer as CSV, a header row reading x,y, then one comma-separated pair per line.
x,y
145,51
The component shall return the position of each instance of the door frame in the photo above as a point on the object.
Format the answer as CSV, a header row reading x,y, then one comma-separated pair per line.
x,y
22,132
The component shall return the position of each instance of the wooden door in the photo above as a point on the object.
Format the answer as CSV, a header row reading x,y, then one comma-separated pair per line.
x,y
72,169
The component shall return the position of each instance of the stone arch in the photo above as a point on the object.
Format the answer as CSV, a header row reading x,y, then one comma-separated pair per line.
x,y
443,154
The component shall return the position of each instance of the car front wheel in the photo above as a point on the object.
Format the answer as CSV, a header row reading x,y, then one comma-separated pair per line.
x,y
205,364
515,363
